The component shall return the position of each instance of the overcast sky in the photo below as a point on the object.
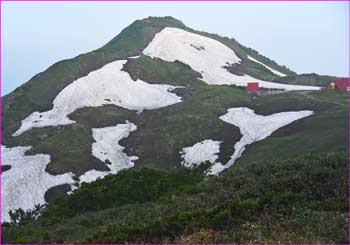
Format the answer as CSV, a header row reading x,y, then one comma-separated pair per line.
x,y
305,36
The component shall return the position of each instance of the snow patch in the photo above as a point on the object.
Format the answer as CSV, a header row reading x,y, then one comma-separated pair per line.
x,y
106,148
108,85
253,128
173,44
25,183
269,68
91,176
134,57
205,150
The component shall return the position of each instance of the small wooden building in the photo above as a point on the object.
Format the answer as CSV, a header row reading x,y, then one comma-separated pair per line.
x,y
341,84
253,87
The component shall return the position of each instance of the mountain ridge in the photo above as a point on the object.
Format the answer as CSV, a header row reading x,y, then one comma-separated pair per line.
x,y
62,73
105,53
78,101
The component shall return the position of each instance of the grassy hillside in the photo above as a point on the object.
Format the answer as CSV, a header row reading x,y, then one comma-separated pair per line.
x,y
306,79
180,125
262,198
38,93
326,130
195,119
301,200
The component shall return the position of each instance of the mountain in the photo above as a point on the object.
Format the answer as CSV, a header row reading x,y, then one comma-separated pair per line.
x,y
162,109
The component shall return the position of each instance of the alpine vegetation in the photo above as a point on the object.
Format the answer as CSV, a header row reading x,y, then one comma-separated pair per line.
x,y
171,135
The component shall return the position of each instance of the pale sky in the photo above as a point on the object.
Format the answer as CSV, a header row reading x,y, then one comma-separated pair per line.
x,y
305,36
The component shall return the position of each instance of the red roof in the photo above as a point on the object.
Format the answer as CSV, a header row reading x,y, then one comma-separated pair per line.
x,y
253,87
342,83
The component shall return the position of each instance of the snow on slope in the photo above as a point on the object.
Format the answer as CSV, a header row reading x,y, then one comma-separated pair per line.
x,y
207,56
106,147
108,85
25,183
254,127
205,150
134,57
272,70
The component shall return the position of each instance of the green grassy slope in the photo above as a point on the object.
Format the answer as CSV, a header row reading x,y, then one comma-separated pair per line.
x,y
306,79
186,123
196,118
326,130
38,93
162,133
252,202
301,200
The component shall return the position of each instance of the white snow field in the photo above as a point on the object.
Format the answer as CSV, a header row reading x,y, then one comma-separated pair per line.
x,y
202,151
207,56
25,183
269,68
134,57
108,85
253,128
106,147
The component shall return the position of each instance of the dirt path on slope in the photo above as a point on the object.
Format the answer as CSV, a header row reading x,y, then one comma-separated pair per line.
x,y
307,95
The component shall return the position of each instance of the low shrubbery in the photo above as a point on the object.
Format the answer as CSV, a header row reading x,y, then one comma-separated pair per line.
x,y
300,200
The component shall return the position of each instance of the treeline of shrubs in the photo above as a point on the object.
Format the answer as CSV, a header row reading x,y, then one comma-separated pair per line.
x,y
126,187
297,200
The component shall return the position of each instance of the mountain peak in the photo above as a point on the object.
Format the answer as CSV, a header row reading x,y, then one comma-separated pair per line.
x,y
163,95
145,28
163,20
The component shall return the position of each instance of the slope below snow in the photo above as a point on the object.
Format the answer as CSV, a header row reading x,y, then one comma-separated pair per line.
x,y
253,128
25,183
108,85
267,67
107,149
207,56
